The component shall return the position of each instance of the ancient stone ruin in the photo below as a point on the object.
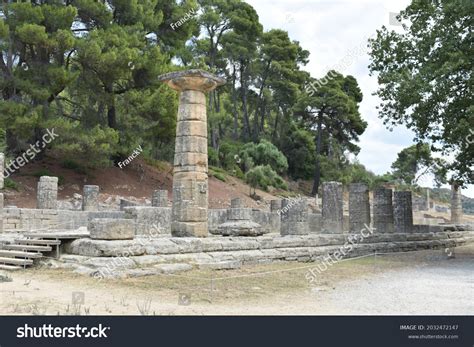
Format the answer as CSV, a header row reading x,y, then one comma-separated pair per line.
x,y
93,240
190,181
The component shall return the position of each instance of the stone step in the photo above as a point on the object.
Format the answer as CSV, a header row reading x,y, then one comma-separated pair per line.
x,y
10,267
15,261
38,242
28,248
66,234
7,253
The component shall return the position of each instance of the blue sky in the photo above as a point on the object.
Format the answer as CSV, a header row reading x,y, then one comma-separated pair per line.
x,y
335,33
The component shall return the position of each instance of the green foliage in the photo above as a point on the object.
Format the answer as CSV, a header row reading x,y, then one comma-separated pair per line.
x,y
331,111
218,173
90,70
229,155
262,154
425,79
298,146
9,183
75,166
213,156
264,176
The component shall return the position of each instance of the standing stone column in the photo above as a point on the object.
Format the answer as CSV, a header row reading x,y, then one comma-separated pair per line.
x,y
359,207
428,203
332,211
159,198
190,179
236,203
275,205
47,194
294,217
90,198
402,212
456,204
383,210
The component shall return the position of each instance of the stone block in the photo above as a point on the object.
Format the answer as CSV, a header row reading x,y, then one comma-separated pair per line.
x,y
90,198
332,210
275,205
160,198
150,221
359,207
239,213
294,217
383,210
112,229
47,193
402,211
189,229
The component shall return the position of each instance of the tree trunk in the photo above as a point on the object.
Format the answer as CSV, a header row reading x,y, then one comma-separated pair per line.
x,y
277,118
317,169
243,87
234,108
112,115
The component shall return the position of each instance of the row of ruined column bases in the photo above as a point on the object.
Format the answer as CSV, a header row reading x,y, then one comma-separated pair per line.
x,y
392,211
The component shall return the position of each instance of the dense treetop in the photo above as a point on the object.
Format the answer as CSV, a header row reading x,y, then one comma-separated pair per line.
x,y
89,70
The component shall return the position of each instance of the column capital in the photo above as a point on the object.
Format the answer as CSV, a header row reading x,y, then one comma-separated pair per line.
x,y
199,80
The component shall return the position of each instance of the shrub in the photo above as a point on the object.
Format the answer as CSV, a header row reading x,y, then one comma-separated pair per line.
x,y
9,183
263,153
264,176
213,156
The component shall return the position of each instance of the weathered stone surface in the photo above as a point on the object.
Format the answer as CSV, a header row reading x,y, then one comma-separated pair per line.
x,y
236,203
47,193
275,205
160,198
90,198
332,211
102,248
1,210
112,229
314,222
402,212
235,214
239,222
126,203
294,217
150,221
383,210
190,181
192,80
111,257
240,228
222,265
359,207
456,204
2,170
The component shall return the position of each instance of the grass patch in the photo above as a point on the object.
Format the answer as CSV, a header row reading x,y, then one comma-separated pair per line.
x,y
160,165
218,173
9,183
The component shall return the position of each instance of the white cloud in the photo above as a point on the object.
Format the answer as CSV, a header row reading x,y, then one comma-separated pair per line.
x,y
329,30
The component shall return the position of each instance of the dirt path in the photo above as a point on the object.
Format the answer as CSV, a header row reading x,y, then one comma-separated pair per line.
x,y
425,282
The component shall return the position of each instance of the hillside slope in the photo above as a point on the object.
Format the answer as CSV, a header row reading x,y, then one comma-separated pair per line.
x,y
136,182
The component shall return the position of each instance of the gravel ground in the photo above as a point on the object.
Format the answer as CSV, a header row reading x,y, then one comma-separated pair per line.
x,y
413,283
435,285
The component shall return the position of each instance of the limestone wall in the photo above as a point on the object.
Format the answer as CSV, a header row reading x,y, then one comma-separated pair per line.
x,y
25,219
150,220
